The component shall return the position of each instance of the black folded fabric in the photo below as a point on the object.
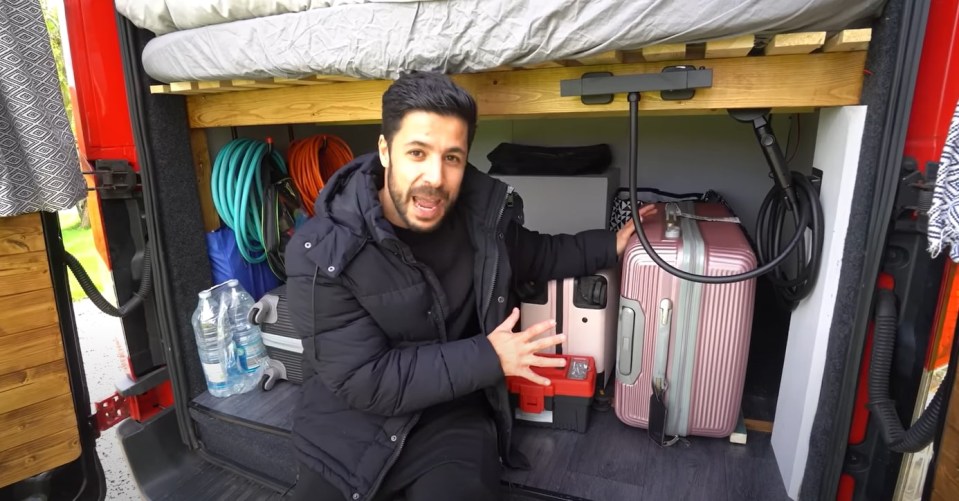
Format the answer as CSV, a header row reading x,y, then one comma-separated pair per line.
x,y
524,160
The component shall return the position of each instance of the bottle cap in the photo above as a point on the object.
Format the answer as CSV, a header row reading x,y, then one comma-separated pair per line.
x,y
232,282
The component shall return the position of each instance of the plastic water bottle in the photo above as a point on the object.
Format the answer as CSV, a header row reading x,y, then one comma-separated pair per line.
x,y
211,345
251,359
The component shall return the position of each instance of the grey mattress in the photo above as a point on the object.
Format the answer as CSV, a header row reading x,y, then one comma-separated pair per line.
x,y
380,40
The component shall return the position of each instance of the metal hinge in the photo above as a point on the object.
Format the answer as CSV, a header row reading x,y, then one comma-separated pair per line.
x,y
114,179
914,196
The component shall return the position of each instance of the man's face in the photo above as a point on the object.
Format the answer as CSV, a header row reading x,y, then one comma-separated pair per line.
x,y
424,169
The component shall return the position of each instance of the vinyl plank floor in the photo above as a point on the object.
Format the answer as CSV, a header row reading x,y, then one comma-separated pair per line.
x,y
610,461
272,408
615,461
751,471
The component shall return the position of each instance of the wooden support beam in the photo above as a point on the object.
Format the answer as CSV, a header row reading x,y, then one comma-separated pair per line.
x,y
203,166
610,57
758,425
665,52
848,40
794,81
795,43
545,64
730,47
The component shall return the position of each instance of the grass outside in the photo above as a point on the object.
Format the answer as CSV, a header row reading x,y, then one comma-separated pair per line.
x,y
79,242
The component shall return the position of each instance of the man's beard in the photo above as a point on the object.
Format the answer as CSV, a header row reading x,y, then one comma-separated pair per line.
x,y
402,201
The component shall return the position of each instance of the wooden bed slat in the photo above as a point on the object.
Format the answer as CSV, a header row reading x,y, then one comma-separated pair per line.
x,y
795,43
256,84
190,88
545,64
791,81
730,47
216,86
664,52
848,40
610,57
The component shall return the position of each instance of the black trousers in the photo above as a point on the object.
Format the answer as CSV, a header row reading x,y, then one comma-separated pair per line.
x,y
450,454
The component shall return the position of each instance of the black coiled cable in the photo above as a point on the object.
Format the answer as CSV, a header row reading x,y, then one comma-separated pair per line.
x,y
807,213
770,227
883,408
146,286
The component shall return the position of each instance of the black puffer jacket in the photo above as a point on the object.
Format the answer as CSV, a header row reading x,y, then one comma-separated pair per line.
x,y
372,319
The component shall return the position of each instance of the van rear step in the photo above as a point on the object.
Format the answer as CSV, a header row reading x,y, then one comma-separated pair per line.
x,y
166,470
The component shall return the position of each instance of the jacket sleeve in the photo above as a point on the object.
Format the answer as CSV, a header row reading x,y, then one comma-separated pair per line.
x,y
537,257
354,358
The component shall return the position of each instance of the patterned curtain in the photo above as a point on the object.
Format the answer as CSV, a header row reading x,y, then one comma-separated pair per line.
x,y
944,214
39,166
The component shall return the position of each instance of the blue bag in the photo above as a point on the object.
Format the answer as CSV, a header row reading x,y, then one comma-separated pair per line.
x,y
227,262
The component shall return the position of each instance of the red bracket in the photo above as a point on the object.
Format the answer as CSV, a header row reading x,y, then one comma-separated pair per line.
x,y
111,411
141,407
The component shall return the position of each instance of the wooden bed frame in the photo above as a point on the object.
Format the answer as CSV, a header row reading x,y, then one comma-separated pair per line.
x,y
786,72
789,73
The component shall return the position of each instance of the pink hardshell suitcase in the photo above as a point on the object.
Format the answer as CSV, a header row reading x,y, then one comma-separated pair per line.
x,y
687,340
586,310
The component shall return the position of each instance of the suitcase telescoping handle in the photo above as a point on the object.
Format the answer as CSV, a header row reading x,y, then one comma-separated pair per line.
x,y
657,403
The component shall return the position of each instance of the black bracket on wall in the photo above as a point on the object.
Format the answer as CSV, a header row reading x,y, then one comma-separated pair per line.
x,y
115,179
674,83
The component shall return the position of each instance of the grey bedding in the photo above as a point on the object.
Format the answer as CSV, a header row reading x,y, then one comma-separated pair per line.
x,y
380,40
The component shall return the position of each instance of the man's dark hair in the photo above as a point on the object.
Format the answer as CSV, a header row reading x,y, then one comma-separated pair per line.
x,y
430,92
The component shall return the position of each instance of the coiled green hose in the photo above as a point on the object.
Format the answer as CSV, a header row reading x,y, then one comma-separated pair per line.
x,y
240,171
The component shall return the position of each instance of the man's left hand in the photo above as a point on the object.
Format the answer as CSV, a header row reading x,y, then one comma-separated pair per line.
x,y
624,233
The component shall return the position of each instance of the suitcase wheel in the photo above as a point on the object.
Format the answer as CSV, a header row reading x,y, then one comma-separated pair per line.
x,y
602,402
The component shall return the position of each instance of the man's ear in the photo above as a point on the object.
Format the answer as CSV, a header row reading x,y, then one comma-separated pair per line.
x,y
384,148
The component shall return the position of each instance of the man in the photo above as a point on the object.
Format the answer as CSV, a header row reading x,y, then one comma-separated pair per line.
x,y
401,288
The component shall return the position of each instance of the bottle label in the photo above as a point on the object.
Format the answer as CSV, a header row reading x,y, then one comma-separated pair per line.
x,y
248,357
214,374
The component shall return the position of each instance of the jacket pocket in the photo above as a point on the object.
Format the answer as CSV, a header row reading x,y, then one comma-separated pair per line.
x,y
404,314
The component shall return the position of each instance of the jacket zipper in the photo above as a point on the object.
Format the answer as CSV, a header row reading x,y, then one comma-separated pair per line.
x,y
492,290
391,462
499,218
403,254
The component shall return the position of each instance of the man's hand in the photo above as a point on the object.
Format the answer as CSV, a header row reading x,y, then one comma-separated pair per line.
x,y
624,233
516,350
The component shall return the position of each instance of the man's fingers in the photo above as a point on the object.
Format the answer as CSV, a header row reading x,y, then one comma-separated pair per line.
x,y
539,328
540,361
534,377
546,342
510,321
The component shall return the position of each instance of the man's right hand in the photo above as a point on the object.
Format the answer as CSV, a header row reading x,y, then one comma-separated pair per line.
x,y
517,350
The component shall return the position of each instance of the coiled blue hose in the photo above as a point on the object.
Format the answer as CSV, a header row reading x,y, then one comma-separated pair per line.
x,y
238,185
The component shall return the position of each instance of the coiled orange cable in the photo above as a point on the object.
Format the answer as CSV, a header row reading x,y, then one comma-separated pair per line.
x,y
313,161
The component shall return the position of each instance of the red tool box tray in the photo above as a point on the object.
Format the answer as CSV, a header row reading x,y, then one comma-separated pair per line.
x,y
564,404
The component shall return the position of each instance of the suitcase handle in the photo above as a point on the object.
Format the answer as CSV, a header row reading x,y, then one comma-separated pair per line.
x,y
630,341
